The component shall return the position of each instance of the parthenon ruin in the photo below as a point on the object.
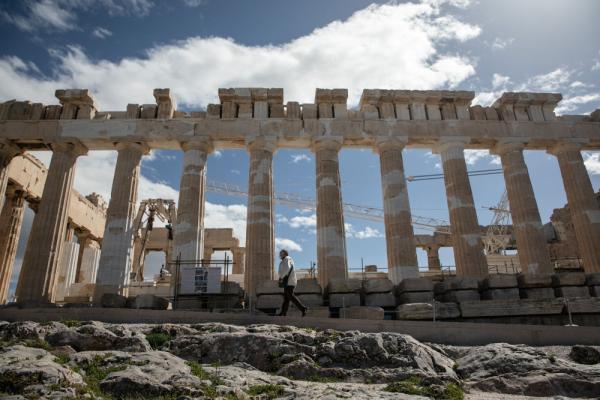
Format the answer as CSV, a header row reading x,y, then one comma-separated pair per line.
x,y
258,120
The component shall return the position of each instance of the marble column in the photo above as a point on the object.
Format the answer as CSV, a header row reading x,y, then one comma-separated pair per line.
x,y
38,275
11,220
189,230
583,205
533,254
399,234
8,150
466,232
331,235
260,240
117,244
433,258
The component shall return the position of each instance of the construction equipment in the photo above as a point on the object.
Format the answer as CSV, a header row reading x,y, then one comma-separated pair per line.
x,y
497,237
148,211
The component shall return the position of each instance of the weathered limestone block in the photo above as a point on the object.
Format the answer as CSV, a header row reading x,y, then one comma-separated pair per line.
x,y
340,111
37,111
133,111
245,110
415,297
213,111
534,280
380,299
572,291
505,308
113,300
165,103
537,293
592,279
151,302
477,113
308,286
499,281
309,111
458,296
491,114
20,110
229,109
293,110
379,285
337,300
148,111
277,111
311,299
595,290
415,285
198,114
337,285
424,311
460,283
231,288
268,287
370,111
376,313
500,294
568,279
584,306
52,112
269,301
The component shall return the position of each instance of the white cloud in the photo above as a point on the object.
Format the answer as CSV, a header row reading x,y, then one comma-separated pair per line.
x,y
472,156
296,158
500,44
366,233
500,80
381,46
223,216
572,103
101,33
61,15
217,154
194,3
300,221
596,66
287,244
592,162
548,82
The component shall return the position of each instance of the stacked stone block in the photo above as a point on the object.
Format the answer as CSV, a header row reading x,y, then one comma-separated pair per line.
x,y
344,292
571,284
309,292
593,282
535,286
379,293
425,311
500,287
415,290
269,295
457,290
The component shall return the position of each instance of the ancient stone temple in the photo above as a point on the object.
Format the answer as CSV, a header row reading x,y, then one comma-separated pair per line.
x,y
258,120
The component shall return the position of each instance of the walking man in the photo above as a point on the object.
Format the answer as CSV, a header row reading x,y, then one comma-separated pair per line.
x,y
287,280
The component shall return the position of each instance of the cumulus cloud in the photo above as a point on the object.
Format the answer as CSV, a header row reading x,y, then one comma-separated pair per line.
x,y
381,46
227,216
472,156
296,158
61,15
548,82
572,103
592,162
300,221
101,33
366,233
499,80
287,244
500,44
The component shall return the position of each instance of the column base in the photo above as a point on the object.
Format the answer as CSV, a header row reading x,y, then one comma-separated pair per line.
x,y
397,274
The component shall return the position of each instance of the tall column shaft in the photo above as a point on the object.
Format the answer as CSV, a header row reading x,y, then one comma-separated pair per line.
x,y
260,240
534,257
331,235
238,260
189,230
583,206
11,220
399,234
466,233
46,240
433,258
117,244
7,151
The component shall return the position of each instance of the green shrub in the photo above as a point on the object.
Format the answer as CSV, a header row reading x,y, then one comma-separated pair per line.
x,y
415,386
411,385
453,392
157,340
270,391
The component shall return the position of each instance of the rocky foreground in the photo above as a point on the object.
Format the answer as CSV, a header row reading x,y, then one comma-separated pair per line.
x,y
73,359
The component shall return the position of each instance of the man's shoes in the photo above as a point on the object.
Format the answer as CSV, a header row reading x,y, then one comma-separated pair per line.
x,y
304,311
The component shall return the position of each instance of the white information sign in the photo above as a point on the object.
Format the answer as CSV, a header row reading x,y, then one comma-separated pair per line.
x,y
194,280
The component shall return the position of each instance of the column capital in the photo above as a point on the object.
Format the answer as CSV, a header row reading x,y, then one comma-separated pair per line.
x,y
390,142
564,146
13,192
75,148
450,142
204,144
9,148
327,143
504,146
260,142
141,147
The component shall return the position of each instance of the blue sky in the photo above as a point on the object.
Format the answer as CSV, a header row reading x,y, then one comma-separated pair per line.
x,y
122,49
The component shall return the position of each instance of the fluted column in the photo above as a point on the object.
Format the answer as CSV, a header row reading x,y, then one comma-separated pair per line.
x,y
11,220
46,240
238,254
331,235
466,233
117,244
534,257
399,234
583,206
8,150
260,241
433,258
189,230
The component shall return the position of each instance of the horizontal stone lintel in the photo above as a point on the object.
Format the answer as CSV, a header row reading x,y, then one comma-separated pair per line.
x,y
168,134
